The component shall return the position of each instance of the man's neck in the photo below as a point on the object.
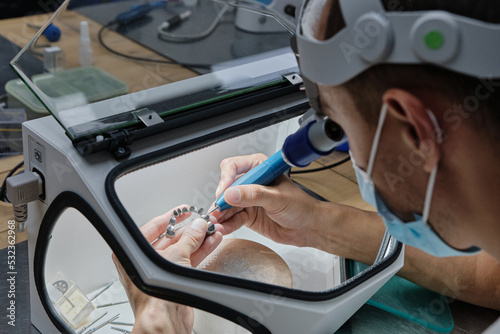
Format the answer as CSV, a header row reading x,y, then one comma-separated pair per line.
x,y
474,197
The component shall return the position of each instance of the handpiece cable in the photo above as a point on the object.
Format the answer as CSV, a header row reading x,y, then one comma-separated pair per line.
x,y
118,53
321,168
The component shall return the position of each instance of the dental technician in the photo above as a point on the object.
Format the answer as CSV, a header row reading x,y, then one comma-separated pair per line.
x,y
415,85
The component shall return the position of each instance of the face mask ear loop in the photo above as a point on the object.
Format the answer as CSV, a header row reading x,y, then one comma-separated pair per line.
x,y
428,194
376,139
432,177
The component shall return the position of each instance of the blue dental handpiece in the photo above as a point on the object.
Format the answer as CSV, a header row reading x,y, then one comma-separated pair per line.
x,y
263,174
314,139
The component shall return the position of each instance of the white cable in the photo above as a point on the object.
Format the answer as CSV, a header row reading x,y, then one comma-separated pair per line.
x,y
170,37
267,11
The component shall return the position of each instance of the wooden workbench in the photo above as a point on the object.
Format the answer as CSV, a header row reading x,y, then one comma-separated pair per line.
x,y
138,75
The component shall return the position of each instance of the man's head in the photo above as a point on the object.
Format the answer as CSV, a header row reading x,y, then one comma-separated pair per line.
x,y
465,106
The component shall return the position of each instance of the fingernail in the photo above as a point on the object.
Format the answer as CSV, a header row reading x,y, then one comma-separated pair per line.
x,y
199,225
233,195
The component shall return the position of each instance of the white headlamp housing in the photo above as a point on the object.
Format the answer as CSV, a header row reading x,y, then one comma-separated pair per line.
x,y
374,36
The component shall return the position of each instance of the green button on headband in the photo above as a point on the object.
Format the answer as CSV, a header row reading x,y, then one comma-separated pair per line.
x,y
434,40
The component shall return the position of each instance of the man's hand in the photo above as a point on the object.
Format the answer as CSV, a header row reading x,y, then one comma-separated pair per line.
x,y
281,211
189,247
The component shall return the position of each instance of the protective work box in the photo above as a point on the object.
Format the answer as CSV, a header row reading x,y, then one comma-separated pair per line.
x,y
108,167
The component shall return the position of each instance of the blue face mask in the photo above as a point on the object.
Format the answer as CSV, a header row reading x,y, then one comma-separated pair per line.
x,y
417,233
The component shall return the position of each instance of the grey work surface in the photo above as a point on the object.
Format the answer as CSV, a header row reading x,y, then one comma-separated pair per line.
x,y
468,318
225,44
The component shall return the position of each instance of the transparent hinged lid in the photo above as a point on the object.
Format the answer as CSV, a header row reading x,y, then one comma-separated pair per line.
x,y
140,71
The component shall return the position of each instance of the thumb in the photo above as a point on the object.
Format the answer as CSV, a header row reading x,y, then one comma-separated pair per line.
x,y
193,236
189,242
254,195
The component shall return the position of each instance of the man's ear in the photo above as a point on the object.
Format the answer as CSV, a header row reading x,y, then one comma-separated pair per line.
x,y
422,134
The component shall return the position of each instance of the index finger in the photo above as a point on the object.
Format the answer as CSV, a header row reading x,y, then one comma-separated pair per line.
x,y
231,167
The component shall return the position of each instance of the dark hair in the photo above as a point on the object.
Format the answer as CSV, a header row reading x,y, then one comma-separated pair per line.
x,y
367,88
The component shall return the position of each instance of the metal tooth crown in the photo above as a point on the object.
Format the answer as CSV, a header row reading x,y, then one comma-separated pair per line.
x,y
173,220
211,229
184,210
170,232
192,209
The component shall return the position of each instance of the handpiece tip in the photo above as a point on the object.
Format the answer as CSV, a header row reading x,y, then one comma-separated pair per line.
x,y
213,210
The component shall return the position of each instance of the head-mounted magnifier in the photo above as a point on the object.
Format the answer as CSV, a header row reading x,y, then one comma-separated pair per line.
x,y
373,35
